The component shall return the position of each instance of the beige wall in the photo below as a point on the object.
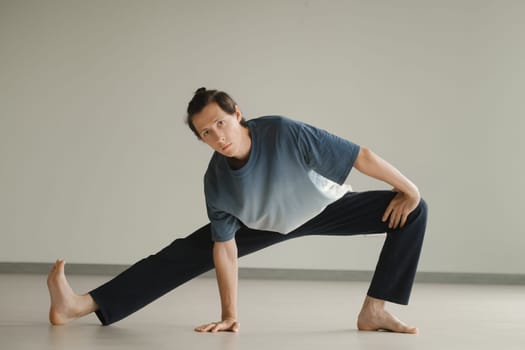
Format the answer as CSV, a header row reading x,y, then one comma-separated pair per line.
x,y
97,165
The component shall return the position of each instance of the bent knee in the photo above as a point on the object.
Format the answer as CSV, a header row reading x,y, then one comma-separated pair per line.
x,y
422,207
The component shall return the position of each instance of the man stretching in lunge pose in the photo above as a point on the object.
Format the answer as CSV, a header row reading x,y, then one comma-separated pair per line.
x,y
270,179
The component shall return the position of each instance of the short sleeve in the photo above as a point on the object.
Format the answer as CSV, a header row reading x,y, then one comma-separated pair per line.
x,y
329,155
223,225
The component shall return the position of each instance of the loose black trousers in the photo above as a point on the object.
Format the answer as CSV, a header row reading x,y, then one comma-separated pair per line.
x,y
186,258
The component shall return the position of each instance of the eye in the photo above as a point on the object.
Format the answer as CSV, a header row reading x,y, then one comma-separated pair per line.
x,y
220,122
205,133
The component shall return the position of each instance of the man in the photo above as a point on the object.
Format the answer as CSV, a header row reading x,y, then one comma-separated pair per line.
x,y
270,179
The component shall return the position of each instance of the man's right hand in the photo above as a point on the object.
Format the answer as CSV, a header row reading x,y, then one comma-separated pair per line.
x,y
222,326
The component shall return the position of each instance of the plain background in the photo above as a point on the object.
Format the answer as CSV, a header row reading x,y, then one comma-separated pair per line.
x,y
97,165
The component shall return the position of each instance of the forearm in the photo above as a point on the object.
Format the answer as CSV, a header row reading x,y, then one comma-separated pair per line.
x,y
371,164
225,259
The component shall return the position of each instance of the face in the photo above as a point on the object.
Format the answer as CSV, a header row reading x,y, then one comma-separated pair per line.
x,y
222,131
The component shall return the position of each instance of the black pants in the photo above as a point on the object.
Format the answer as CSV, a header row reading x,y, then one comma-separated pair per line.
x,y
186,258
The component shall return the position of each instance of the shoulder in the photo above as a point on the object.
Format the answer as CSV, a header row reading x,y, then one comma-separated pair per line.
x,y
276,124
273,120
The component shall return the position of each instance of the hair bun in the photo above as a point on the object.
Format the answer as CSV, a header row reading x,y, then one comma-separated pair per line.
x,y
200,90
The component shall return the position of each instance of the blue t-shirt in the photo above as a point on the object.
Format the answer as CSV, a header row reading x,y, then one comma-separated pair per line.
x,y
294,171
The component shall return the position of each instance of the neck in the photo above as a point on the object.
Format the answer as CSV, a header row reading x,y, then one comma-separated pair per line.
x,y
242,159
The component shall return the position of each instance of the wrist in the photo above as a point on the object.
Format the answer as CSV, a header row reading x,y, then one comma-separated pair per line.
x,y
413,193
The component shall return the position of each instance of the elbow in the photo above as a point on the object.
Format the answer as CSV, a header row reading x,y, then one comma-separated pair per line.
x,y
227,249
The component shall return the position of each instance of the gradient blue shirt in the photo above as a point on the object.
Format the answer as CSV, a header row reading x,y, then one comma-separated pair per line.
x,y
294,171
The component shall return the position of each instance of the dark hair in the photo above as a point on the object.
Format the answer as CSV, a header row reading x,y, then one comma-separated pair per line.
x,y
202,98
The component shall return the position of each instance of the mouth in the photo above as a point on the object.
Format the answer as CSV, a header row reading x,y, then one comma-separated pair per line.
x,y
226,147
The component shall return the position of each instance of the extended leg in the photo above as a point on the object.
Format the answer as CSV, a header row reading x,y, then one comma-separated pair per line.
x,y
148,279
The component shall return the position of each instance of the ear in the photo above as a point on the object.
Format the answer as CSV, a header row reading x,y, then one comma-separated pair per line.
x,y
238,113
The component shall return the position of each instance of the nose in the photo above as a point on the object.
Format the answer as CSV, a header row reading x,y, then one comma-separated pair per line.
x,y
220,137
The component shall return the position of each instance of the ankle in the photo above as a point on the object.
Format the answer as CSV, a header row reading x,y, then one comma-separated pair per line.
x,y
371,304
84,305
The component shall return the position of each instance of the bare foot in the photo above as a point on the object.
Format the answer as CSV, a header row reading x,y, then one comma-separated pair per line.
x,y
374,317
66,306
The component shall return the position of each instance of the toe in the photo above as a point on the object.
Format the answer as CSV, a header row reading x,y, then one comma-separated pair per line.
x,y
403,328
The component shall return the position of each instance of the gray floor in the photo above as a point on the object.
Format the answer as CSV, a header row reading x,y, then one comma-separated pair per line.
x,y
274,315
